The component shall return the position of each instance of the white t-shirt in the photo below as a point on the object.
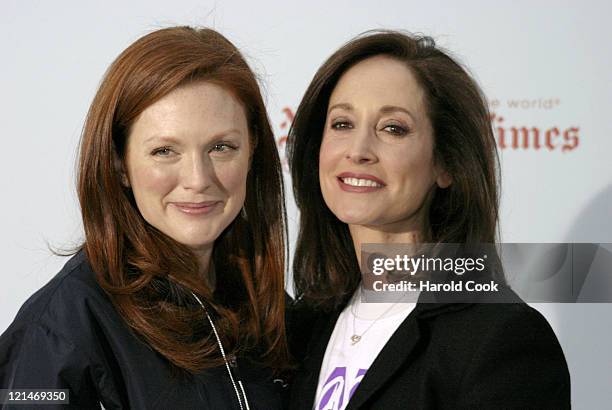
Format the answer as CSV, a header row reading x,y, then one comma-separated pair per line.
x,y
346,362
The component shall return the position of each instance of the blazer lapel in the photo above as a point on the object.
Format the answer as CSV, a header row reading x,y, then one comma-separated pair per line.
x,y
397,351
395,354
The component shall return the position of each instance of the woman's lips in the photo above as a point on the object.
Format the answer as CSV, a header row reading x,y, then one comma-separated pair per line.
x,y
360,183
196,208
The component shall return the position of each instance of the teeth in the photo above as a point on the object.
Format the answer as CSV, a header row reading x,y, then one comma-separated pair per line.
x,y
361,182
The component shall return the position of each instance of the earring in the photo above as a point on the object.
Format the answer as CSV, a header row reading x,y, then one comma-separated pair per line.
x,y
124,180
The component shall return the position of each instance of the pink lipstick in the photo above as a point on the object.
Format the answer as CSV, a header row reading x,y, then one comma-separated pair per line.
x,y
359,183
196,208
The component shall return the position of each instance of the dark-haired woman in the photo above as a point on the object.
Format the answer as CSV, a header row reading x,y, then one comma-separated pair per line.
x,y
176,299
405,154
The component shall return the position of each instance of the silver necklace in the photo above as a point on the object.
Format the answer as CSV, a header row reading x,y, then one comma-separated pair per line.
x,y
356,337
227,366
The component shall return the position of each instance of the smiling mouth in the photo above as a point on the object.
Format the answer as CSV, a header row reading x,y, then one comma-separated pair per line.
x,y
196,208
360,182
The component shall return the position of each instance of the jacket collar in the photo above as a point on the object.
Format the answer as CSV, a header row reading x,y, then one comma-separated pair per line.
x,y
396,352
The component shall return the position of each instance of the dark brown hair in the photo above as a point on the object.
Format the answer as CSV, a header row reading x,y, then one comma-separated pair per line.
x,y
325,267
147,274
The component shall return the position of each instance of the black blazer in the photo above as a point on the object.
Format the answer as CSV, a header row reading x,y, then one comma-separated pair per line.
x,y
69,336
445,356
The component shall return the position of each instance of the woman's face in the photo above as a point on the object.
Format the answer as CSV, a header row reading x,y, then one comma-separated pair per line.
x,y
376,159
187,160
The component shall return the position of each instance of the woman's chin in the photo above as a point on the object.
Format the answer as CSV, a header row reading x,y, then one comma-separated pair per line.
x,y
355,218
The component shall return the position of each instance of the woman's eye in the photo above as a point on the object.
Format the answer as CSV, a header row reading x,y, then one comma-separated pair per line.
x,y
395,129
341,125
222,147
162,152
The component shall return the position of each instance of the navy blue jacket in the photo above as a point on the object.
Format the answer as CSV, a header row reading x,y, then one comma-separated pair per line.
x,y
68,335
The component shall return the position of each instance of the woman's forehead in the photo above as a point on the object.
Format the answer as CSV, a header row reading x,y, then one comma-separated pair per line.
x,y
379,81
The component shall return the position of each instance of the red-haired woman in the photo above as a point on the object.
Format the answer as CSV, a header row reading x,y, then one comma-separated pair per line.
x,y
179,282
392,144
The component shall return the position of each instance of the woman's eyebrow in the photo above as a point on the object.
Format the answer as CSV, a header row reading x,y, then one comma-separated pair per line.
x,y
162,138
344,106
173,140
387,109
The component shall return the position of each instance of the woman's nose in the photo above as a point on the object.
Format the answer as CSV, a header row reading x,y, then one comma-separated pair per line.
x,y
361,147
196,173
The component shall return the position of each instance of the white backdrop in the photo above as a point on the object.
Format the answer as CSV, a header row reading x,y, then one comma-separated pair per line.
x,y
543,64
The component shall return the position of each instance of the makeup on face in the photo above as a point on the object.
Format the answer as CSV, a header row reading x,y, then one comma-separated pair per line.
x,y
187,161
376,157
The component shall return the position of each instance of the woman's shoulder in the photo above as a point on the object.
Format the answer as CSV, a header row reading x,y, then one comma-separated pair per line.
x,y
65,303
495,332
491,347
54,341
504,322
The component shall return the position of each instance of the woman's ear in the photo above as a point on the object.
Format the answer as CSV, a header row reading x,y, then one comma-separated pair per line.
x,y
120,169
444,179
124,180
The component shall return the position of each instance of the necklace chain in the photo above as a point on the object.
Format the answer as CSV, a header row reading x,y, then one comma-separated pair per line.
x,y
356,338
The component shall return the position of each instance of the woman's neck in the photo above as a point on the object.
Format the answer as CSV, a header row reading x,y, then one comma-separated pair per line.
x,y
207,269
362,234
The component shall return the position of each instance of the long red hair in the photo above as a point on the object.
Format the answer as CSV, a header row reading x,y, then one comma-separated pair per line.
x,y
148,275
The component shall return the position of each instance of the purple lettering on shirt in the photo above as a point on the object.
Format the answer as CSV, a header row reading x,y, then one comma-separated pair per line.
x,y
334,390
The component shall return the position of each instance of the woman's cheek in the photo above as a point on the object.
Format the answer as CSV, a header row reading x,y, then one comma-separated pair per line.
x,y
233,177
161,177
158,179
330,158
